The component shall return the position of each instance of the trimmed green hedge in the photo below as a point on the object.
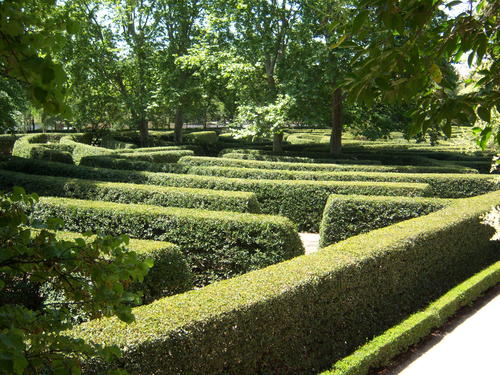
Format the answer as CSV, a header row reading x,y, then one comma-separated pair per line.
x,y
81,150
299,316
7,142
110,142
170,273
116,162
132,193
39,146
217,244
169,156
446,185
301,201
294,159
202,138
396,340
225,162
348,215
159,148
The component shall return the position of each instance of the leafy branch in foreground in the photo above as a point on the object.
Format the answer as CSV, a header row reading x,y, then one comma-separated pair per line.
x,y
90,273
405,60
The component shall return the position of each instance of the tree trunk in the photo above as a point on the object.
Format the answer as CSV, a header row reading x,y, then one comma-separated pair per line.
x,y
179,121
278,143
143,131
336,136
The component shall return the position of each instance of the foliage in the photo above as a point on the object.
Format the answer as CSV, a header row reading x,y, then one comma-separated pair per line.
x,y
396,340
215,244
404,60
269,319
349,215
93,275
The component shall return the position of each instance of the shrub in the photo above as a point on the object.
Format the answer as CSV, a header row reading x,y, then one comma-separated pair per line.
x,y
396,340
446,185
132,193
299,316
348,215
170,156
7,142
114,144
294,159
169,275
41,146
159,148
202,138
81,150
224,162
217,244
116,162
301,201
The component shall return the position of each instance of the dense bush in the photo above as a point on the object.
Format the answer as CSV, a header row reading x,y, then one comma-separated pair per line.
x,y
293,159
396,340
202,138
169,156
110,142
446,185
81,150
298,317
169,275
42,146
348,215
116,162
132,193
226,162
7,142
301,201
217,244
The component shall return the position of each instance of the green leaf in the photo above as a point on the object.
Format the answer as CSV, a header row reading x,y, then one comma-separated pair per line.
x,y
359,21
435,73
484,113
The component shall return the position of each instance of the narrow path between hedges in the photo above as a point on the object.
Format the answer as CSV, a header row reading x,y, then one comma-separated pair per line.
x,y
468,344
310,242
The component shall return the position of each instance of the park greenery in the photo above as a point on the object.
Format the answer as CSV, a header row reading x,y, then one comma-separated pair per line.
x,y
206,134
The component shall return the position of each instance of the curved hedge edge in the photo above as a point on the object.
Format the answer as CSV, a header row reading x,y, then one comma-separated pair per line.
x,y
399,338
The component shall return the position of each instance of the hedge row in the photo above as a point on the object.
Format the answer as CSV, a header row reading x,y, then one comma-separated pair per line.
x,y
396,340
7,142
294,159
81,150
170,273
446,185
348,215
159,148
132,193
301,201
116,162
226,162
39,146
169,156
297,317
217,244
202,138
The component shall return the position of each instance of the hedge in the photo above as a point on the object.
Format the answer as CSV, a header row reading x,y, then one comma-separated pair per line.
x,y
132,193
110,142
301,201
201,138
7,142
217,244
446,185
348,215
37,146
116,162
299,316
170,273
396,340
169,156
81,150
159,148
294,159
224,162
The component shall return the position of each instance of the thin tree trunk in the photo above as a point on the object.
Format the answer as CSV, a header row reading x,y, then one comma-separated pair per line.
x,y
179,121
336,136
143,130
278,143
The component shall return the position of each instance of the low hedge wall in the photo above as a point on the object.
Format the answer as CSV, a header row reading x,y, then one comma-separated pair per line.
x,y
159,148
299,316
217,244
396,340
169,156
170,273
225,162
38,146
348,215
215,200
7,142
294,159
446,185
116,162
301,201
202,138
81,150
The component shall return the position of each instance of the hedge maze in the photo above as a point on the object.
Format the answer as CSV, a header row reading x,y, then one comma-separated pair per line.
x,y
231,290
